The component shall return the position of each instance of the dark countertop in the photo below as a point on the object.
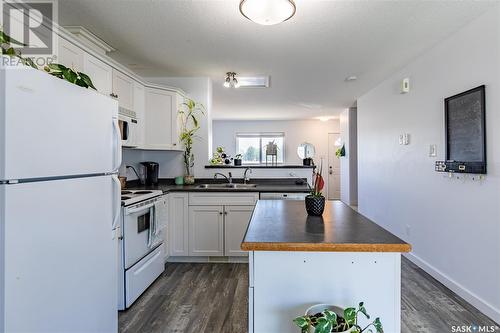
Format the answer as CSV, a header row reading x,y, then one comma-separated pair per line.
x,y
263,185
278,225
279,166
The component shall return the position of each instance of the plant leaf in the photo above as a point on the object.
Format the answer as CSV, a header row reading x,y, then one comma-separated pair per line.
x,y
323,326
57,67
87,80
301,322
350,316
362,309
69,75
331,317
378,325
6,39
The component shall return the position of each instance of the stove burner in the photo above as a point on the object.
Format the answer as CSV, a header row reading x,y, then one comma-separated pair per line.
x,y
126,198
143,192
126,192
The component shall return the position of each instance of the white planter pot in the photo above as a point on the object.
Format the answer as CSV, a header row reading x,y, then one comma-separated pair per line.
x,y
322,307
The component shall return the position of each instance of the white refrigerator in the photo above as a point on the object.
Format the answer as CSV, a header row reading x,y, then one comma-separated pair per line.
x,y
59,205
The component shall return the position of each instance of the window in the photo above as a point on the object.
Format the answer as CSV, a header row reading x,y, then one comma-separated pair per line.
x,y
252,146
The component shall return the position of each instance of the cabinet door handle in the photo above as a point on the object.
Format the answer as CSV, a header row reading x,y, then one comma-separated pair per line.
x,y
225,213
220,213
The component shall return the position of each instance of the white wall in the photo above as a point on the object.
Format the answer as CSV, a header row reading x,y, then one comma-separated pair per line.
x,y
453,225
171,163
296,132
349,163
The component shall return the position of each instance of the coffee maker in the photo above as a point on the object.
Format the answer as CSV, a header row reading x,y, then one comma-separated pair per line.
x,y
151,171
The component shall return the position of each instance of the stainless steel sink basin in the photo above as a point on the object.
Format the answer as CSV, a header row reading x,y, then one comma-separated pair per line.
x,y
228,186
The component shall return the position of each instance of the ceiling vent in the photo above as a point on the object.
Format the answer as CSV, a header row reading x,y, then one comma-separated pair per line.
x,y
260,81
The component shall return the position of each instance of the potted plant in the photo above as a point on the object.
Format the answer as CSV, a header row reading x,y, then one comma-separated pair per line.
x,y
188,113
324,318
237,159
315,202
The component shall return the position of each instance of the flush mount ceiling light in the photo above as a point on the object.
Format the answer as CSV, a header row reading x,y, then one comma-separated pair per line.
x,y
231,80
267,12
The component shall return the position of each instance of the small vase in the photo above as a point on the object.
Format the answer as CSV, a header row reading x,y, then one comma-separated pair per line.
x,y
315,205
237,162
188,179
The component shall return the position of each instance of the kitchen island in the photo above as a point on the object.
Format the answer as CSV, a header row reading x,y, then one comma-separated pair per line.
x,y
341,258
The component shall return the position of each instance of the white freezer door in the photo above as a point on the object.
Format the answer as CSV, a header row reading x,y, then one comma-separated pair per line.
x,y
51,128
60,256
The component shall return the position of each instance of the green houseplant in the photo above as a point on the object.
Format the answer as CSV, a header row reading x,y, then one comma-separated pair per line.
x,y
189,113
56,70
322,318
315,202
237,159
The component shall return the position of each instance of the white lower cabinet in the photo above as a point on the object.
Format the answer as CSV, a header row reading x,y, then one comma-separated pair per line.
x,y
206,230
236,219
208,224
178,226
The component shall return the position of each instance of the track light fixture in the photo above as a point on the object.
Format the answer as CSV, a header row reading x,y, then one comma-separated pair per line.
x,y
231,80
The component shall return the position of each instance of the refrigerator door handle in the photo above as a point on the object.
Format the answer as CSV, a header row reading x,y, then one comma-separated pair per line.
x,y
117,201
117,146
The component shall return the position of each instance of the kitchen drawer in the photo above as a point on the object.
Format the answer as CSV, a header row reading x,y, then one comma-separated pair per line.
x,y
219,199
140,276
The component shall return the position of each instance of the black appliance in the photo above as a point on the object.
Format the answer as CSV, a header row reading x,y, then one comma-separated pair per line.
x,y
151,171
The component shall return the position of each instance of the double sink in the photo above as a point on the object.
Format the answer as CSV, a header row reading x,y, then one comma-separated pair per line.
x,y
227,186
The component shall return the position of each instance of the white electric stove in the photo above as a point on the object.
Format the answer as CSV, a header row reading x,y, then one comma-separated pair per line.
x,y
130,197
141,243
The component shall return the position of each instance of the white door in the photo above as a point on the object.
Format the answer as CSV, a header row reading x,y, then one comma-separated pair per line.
x,y
70,55
54,128
236,221
206,230
60,256
333,167
123,87
99,72
178,224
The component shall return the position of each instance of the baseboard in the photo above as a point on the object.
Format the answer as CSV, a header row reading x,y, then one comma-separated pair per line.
x,y
218,260
483,306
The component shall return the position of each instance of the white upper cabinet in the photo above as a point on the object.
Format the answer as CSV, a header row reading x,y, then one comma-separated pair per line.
x,y
161,121
99,72
123,89
140,109
70,55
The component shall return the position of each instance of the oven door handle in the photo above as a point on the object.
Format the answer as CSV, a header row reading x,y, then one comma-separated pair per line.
x,y
138,209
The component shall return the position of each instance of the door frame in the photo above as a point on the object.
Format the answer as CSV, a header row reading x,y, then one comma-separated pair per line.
x,y
332,151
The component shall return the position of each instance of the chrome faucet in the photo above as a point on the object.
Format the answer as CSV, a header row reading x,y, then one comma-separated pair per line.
x,y
229,179
246,179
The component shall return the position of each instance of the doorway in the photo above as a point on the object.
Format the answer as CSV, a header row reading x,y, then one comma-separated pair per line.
x,y
333,168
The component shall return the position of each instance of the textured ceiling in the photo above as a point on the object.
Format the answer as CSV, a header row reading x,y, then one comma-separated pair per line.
x,y
307,57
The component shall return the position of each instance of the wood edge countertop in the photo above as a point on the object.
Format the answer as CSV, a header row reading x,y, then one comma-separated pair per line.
x,y
325,247
283,225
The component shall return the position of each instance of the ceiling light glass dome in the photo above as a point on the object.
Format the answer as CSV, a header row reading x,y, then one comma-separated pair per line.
x,y
267,12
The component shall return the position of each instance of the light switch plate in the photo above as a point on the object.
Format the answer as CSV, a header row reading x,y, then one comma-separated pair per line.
x,y
432,151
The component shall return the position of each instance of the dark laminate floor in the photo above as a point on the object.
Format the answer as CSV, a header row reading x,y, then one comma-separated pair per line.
x,y
213,298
